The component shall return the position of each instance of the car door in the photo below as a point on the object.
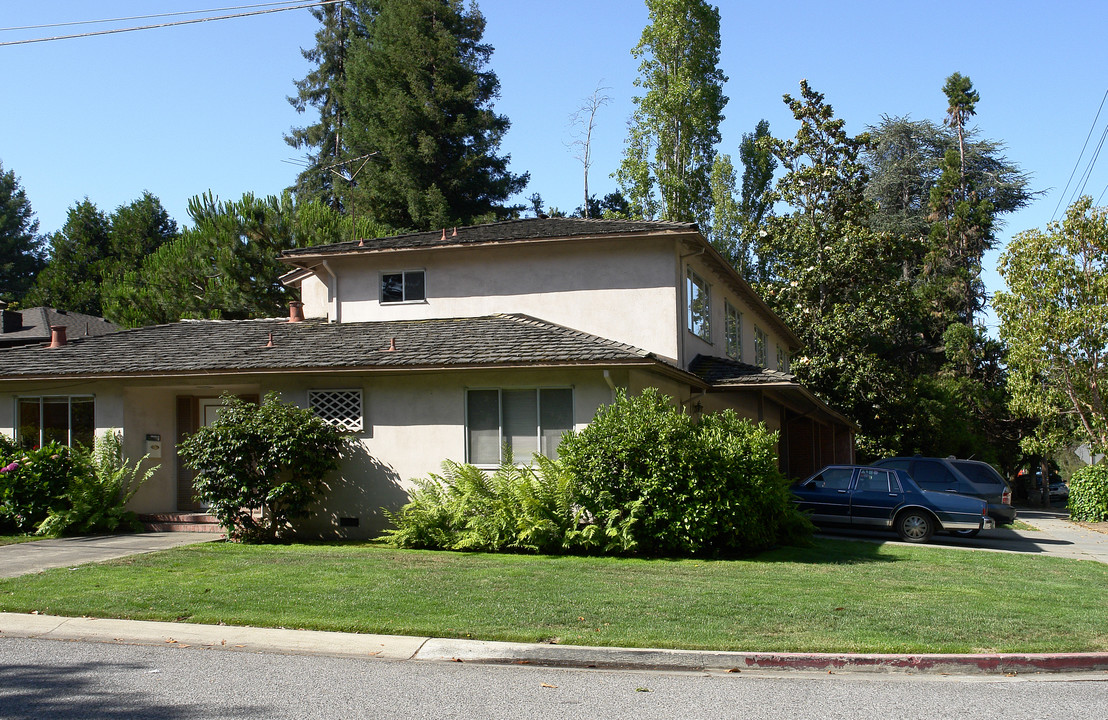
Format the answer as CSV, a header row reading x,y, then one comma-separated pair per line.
x,y
826,496
874,498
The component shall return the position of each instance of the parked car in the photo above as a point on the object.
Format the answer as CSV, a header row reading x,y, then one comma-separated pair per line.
x,y
964,477
871,497
1059,490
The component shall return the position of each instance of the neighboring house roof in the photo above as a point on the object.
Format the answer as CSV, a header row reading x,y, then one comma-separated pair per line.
x,y
32,325
499,232
201,347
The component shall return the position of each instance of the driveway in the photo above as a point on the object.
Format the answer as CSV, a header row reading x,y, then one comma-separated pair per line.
x,y
1054,535
29,557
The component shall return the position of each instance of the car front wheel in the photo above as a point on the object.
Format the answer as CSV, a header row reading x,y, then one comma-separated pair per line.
x,y
914,526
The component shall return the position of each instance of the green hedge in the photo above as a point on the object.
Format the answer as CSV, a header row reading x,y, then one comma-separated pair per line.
x,y
1088,499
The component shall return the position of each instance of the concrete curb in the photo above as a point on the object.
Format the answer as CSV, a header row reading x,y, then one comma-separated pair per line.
x,y
403,648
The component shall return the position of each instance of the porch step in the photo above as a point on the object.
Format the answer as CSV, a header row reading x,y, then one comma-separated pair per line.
x,y
180,522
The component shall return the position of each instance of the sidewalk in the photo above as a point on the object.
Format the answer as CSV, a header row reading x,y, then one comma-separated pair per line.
x,y
29,557
423,649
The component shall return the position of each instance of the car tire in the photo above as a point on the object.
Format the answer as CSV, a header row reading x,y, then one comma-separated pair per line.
x,y
965,533
914,526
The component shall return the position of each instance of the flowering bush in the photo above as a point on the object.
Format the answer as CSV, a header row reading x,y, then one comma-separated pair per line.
x,y
34,482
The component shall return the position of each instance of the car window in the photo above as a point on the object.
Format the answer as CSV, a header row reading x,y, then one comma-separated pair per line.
x,y
896,464
833,479
872,481
979,473
932,475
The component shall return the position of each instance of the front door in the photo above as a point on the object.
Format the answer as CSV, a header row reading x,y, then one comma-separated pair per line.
x,y
194,413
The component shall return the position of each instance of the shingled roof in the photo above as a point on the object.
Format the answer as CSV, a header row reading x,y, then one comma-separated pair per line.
x,y
500,232
214,346
32,325
724,372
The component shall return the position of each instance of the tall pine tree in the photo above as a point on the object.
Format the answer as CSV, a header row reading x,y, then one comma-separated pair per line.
x,y
20,245
418,100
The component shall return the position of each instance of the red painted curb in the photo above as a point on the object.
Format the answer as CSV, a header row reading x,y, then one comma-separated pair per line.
x,y
981,662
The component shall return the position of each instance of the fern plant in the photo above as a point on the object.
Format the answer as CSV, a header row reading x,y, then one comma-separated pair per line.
x,y
96,500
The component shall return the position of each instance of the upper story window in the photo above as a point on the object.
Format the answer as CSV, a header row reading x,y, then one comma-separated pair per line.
x,y
699,307
782,359
67,419
406,286
734,332
760,350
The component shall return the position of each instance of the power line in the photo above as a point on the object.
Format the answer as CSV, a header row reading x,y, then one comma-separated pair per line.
x,y
173,24
1079,156
143,17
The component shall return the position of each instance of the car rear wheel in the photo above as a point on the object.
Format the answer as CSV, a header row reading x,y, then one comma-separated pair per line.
x,y
965,533
914,526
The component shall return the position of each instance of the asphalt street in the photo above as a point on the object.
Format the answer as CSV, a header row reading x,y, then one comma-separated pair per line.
x,y
93,681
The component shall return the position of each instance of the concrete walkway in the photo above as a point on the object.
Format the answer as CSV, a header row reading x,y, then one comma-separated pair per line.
x,y
37,555
1066,539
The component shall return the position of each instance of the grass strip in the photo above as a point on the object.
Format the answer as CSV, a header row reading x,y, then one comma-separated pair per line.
x,y
13,539
836,596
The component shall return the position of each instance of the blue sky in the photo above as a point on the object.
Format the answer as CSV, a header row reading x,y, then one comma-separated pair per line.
x,y
183,110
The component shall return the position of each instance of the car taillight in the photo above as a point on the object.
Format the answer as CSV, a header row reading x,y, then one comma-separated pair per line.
x,y
1006,498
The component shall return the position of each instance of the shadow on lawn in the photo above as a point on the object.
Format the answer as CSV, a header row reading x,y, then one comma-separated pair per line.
x,y
828,551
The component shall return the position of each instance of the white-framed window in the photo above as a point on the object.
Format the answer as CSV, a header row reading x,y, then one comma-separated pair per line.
x,y
523,420
342,408
68,419
404,286
760,347
700,310
734,332
782,359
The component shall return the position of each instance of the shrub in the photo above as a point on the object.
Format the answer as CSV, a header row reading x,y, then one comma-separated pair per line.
x,y
654,481
260,466
96,498
1088,499
33,483
516,508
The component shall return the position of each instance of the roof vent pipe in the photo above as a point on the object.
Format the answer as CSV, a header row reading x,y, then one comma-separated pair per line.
x,y
296,311
57,337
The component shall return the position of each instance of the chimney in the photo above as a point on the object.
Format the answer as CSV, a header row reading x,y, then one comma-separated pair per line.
x,y
57,337
10,320
296,311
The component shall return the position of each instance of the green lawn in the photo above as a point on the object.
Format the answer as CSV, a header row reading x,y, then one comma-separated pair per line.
x,y
13,539
838,595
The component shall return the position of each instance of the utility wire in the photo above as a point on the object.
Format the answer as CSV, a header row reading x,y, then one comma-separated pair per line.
x,y
173,24
1079,156
1078,192
144,17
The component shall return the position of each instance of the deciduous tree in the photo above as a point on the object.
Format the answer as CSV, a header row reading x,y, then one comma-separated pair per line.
x,y
1054,317
667,163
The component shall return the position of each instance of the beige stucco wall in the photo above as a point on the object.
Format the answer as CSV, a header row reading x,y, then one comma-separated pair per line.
x,y
613,289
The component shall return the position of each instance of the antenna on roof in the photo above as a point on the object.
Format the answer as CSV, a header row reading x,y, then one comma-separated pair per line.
x,y
350,179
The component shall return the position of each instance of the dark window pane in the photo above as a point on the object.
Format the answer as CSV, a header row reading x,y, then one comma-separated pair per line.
x,y
835,478
55,420
555,418
392,288
872,481
414,286
84,424
483,426
30,422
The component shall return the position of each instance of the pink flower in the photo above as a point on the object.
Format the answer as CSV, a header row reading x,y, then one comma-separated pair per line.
x,y
9,468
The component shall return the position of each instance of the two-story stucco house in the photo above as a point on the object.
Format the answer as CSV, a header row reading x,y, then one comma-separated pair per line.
x,y
450,344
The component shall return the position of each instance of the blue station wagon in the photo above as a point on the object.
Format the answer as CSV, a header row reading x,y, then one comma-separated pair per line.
x,y
869,497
